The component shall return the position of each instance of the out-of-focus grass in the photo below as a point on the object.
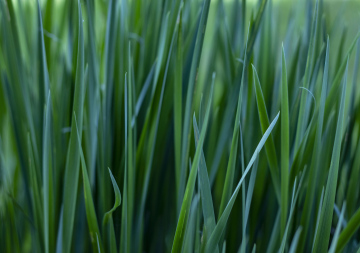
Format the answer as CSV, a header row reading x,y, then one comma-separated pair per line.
x,y
183,126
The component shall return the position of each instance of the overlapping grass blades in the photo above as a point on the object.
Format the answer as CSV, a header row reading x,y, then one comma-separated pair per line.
x,y
123,91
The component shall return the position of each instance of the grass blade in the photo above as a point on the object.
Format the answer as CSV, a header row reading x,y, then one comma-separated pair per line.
x,y
89,203
214,238
269,144
185,207
285,136
323,234
189,95
73,155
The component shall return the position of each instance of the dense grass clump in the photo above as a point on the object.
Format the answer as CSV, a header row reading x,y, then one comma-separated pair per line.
x,y
178,125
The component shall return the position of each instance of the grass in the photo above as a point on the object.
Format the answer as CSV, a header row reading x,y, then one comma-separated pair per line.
x,y
182,126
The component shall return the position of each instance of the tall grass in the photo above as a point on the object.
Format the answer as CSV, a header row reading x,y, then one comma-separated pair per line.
x,y
182,126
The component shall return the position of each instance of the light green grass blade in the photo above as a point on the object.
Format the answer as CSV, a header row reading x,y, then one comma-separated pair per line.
x,y
89,203
185,207
214,238
323,234
73,155
285,136
269,144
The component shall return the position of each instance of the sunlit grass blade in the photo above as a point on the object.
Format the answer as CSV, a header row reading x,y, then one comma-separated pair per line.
x,y
323,234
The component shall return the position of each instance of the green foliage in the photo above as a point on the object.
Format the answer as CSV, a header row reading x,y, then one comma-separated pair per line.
x,y
179,106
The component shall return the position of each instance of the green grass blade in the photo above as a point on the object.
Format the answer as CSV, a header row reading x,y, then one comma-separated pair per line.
x,y
335,86
230,171
185,207
108,220
292,208
295,241
337,231
269,145
274,235
48,180
185,146
178,108
285,136
205,189
323,234
151,146
214,238
300,130
73,155
315,162
249,196
89,203
124,247
44,84
345,236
